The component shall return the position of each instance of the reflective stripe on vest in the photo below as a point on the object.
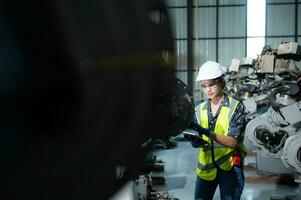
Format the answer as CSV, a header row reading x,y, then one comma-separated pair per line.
x,y
222,154
218,162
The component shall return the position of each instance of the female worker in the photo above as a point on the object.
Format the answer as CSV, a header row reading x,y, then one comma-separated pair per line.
x,y
220,122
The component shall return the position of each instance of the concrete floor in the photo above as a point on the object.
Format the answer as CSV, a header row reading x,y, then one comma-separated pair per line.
x,y
179,173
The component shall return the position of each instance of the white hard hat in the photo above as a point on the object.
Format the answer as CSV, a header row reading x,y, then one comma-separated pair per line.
x,y
210,70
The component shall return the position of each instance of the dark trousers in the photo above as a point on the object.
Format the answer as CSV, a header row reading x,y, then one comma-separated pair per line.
x,y
240,182
230,185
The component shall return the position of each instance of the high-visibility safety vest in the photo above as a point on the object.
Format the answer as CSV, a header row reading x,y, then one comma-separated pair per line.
x,y
222,155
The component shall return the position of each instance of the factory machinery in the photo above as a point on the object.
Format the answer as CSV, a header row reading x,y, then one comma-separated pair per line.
x,y
269,87
180,113
82,93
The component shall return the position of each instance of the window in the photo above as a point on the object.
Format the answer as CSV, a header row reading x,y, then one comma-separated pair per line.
x,y
255,27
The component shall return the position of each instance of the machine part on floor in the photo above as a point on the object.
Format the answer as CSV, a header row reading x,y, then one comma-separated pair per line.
x,y
281,65
141,189
266,49
157,180
164,143
246,61
261,76
157,167
289,50
267,64
161,196
252,103
133,190
298,178
152,164
271,141
234,66
277,140
81,81
292,152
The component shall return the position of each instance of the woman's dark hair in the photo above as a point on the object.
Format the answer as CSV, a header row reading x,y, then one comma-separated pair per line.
x,y
220,81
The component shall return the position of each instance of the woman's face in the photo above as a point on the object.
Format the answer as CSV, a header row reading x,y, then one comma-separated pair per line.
x,y
212,89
